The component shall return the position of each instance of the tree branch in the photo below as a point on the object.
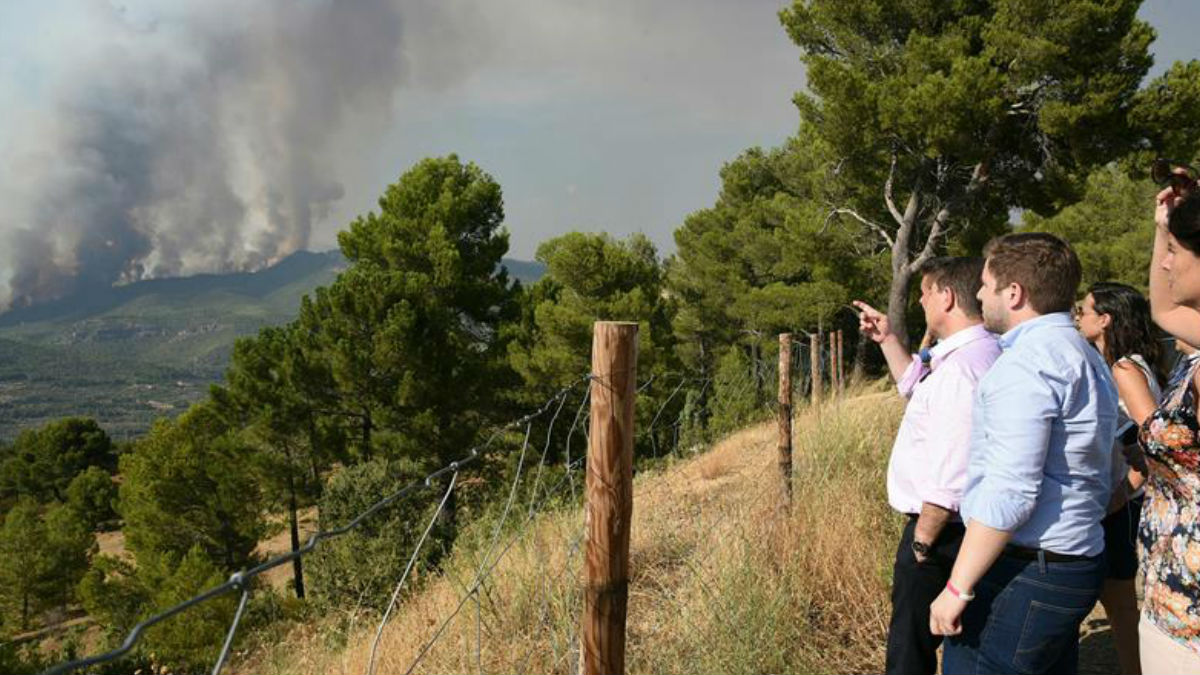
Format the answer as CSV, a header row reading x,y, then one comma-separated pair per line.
x,y
888,196
939,226
879,229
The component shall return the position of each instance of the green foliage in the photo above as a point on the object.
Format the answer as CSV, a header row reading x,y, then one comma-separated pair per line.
x,y
69,543
940,117
21,659
92,495
1029,88
737,392
360,569
1165,114
590,278
24,564
113,595
1110,228
190,642
41,463
120,595
269,396
764,260
42,557
409,335
193,470
135,352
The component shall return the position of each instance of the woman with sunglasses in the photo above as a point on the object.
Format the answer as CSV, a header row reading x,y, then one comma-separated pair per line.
x,y
1116,319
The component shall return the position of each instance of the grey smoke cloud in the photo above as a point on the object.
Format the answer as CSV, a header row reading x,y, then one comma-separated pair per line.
x,y
204,143
184,136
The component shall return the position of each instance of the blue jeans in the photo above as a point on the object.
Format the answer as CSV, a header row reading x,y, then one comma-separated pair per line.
x,y
1025,618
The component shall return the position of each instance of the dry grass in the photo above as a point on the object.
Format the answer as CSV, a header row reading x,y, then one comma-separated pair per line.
x,y
280,578
721,580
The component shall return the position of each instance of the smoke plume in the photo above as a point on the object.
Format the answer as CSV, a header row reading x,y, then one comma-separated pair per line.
x,y
207,141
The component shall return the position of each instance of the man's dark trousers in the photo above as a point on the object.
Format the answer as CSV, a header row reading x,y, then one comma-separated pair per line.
x,y
911,648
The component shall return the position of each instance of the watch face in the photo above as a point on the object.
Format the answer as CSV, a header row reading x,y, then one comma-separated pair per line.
x,y
920,547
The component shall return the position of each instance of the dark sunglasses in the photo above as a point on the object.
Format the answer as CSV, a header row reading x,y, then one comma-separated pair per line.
x,y
1163,171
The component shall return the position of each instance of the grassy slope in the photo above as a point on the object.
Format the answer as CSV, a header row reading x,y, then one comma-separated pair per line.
x,y
719,581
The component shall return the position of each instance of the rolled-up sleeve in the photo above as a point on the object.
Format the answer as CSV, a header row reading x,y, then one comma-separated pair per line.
x,y
1017,415
912,375
947,452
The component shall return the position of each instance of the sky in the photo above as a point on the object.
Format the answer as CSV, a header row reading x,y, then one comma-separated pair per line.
x,y
613,116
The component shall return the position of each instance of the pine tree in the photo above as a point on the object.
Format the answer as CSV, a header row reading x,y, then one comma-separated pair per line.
x,y
190,483
940,117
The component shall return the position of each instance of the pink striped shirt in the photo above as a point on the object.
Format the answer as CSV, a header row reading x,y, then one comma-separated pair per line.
x,y
929,457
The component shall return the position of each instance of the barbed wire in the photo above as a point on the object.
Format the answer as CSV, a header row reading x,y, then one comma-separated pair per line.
x,y
485,569
760,369
239,581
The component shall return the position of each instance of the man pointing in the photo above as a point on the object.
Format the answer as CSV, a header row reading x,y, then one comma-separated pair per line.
x,y
928,466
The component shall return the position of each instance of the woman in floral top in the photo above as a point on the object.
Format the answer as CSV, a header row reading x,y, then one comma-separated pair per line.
x,y
1169,536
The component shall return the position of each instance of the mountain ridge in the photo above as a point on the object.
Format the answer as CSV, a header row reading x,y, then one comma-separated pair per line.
x,y
131,353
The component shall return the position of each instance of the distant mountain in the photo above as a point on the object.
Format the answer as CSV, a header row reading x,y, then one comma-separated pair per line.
x,y
128,354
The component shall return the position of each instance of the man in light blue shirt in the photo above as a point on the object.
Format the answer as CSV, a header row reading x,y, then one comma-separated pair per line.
x,y
1038,480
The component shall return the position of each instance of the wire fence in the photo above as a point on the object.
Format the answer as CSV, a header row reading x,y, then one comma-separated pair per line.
x,y
759,384
241,581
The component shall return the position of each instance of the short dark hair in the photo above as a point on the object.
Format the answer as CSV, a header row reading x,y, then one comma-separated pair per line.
x,y
1130,331
1184,221
1044,265
962,276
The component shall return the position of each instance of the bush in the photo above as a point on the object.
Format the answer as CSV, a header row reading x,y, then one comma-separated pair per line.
x,y
42,462
361,568
188,484
92,495
737,392
21,659
119,595
42,557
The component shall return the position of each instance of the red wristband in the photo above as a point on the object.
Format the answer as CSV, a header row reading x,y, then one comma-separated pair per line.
x,y
965,597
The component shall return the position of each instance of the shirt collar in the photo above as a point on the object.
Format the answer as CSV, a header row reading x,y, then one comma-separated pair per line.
x,y
967,335
1056,320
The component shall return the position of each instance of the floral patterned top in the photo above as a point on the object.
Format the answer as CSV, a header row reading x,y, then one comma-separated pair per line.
x,y
1169,535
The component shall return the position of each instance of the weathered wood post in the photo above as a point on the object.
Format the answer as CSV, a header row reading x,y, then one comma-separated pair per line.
x,y
841,361
609,495
814,365
833,381
785,418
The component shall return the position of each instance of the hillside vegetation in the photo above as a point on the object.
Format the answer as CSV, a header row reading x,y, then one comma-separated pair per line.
x,y
719,580
129,354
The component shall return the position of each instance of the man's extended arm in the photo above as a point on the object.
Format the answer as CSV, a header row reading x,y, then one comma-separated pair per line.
x,y
874,324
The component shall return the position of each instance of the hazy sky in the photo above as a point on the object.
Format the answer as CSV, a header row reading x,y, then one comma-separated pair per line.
x,y
612,115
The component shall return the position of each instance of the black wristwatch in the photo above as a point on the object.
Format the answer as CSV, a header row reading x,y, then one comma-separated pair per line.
x,y
920,548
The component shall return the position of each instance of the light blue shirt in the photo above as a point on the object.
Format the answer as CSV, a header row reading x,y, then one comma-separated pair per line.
x,y
1041,439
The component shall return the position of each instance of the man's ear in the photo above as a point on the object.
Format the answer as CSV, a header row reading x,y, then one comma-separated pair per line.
x,y
1015,296
948,299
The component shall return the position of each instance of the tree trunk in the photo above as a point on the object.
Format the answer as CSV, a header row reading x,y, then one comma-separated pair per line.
x,y
366,436
297,564
897,306
318,486
859,371
702,403
448,518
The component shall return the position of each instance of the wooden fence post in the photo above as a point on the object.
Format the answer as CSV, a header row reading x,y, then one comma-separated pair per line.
x,y
833,381
814,365
609,495
785,417
841,361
